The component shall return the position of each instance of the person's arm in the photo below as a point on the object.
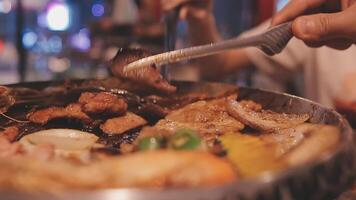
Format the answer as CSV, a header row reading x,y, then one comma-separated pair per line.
x,y
336,29
202,30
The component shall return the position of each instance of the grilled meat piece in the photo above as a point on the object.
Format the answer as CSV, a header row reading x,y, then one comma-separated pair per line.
x,y
8,149
122,124
147,77
72,111
141,170
10,133
177,169
264,120
208,118
102,103
6,99
251,105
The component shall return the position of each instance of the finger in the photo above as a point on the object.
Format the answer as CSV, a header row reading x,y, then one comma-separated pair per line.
x,y
197,9
183,13
294,9
347,3
344,4
340,44
315,44
321,27
168,5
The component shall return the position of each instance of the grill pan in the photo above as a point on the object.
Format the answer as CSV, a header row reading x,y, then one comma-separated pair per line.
x,y
324,178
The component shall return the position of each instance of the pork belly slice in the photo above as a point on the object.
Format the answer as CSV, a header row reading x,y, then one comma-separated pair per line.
x,y
155,169
148,76
10,133
102,103
72,111
208,118
203,116
264,120
8,149
122,124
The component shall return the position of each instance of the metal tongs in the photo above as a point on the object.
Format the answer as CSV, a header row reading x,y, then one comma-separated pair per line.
x,y
170,21
270,42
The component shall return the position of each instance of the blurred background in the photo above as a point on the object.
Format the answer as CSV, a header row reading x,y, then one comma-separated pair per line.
x,y
58,39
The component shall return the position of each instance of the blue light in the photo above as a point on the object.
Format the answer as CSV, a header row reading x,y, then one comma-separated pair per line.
x,y
29,39
55,44
98,10
281,4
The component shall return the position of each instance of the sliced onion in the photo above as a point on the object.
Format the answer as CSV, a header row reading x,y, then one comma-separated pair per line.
x,y
66,142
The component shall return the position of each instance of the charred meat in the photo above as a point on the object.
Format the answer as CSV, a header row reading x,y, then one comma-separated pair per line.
x,y
147,77
6,100
208,118
10,133
129,139
264,120
102,103
122,124
72,111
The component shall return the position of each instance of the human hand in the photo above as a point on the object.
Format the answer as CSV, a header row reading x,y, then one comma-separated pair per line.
x,y
191,9
337,29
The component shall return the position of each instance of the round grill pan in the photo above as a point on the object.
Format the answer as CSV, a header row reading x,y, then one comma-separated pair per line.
x,y
324,178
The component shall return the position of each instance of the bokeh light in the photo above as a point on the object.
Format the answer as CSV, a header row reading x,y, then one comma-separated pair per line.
x,y
29,39
98,10
5,6
81,40
58,18
1,46
58,65
55,44
41,20
281,4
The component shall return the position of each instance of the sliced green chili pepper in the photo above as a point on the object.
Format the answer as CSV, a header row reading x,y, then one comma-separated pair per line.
x,y
150,143
185,139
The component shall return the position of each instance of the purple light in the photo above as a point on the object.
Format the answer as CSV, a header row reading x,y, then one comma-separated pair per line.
x,y
97,10
81,40
41,20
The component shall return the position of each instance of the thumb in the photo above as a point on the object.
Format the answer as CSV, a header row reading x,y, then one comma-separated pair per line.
x,y
321,27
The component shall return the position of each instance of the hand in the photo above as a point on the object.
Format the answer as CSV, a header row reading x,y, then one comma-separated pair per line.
x,y
337,29
199,16
191,9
